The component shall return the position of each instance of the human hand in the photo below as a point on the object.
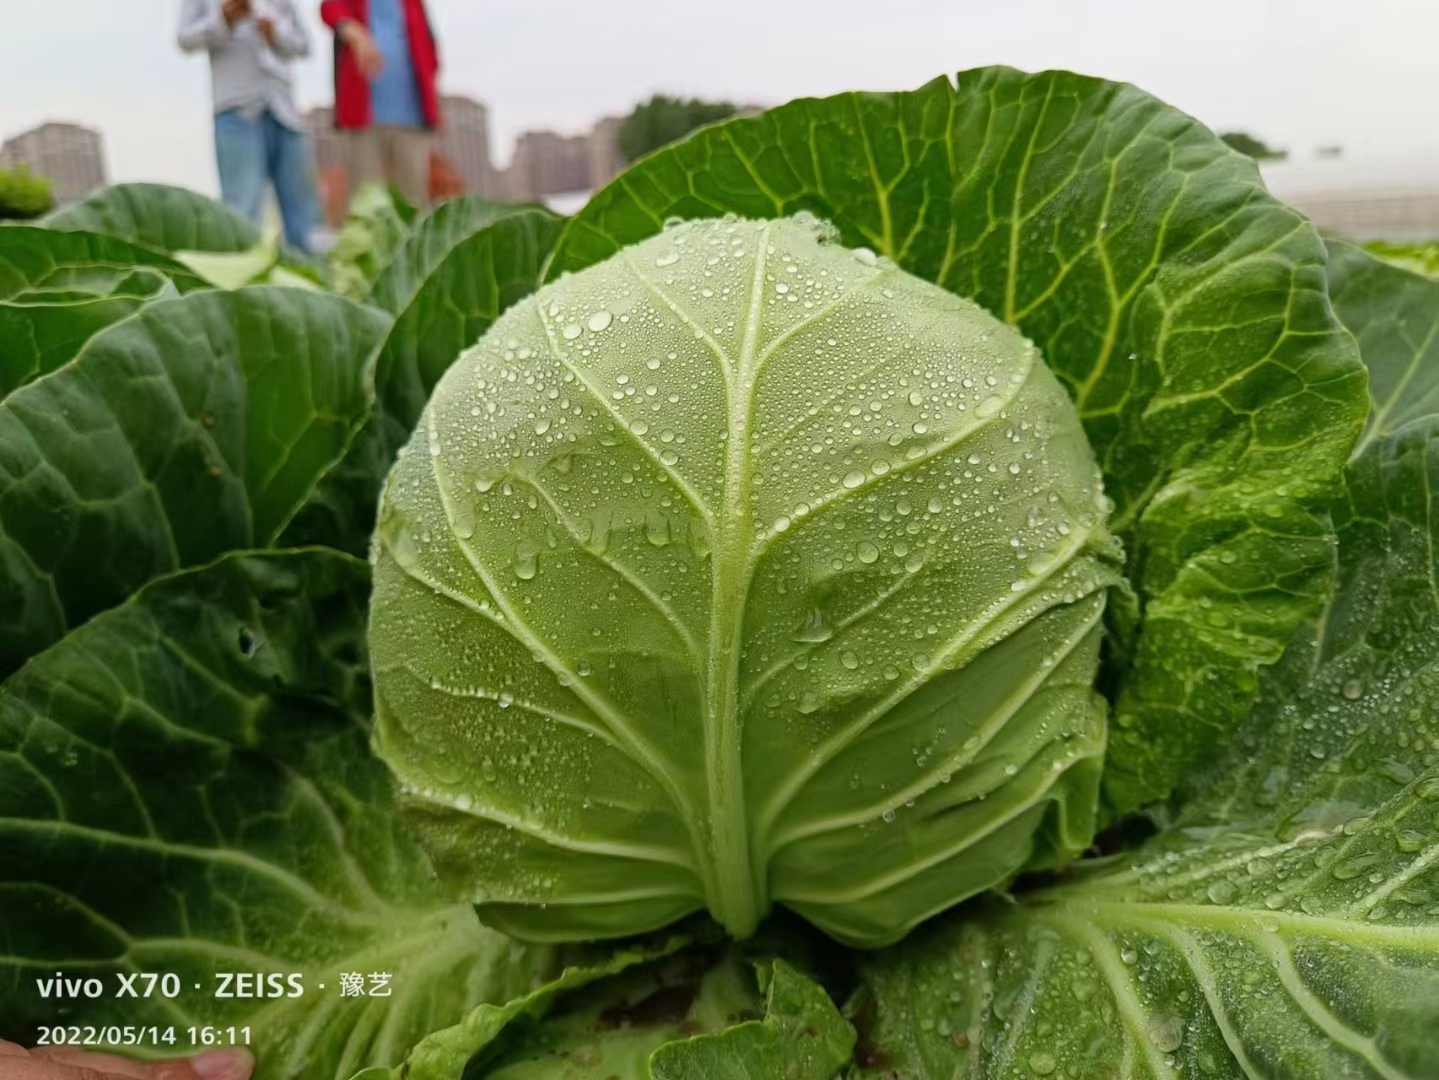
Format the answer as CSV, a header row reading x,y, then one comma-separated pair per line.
x,y
266,26
362,44
69,1063
235,10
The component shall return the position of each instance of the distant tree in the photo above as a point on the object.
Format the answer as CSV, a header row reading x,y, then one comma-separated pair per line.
x,y
1258,149
23,195
662,120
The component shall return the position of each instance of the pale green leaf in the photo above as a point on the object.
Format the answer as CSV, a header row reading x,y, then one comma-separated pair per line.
x,y
692,595
374,231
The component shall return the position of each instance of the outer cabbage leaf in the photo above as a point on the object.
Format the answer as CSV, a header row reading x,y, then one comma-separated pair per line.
x,y
481,1042
44,328
186,787
802,1037
35,261
742,569
1183,307
461,267
160,217
147,454
656,1011
1288,924
1394,315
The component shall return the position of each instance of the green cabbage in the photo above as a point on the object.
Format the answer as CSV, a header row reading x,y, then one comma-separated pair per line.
x,y
742,569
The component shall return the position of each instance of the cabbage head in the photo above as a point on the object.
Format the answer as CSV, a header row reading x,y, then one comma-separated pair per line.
x,y
738,570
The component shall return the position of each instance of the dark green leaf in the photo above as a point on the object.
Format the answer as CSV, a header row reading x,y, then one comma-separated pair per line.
x,y
34,261
1288,924
194,428
463,265
483,1038
42,329
160,217
186,787
1183,307
1394,314
656,1010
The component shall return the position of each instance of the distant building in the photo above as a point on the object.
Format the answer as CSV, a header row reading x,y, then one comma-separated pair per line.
x,y
71,157
548,164
460,159
1373,198
606,161
464,142
545,164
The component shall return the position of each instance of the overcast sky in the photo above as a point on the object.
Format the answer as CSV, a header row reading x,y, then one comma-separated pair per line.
x,y
1299,73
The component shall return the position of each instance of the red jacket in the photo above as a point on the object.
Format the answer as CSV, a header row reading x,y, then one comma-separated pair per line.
x,y
352,89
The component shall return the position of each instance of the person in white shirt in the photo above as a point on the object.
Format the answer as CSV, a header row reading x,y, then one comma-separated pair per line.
x,y
260,139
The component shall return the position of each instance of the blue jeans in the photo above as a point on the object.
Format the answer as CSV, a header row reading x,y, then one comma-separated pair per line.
x,y
256,152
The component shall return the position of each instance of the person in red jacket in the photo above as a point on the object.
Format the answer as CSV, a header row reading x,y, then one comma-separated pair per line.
x,y
386,101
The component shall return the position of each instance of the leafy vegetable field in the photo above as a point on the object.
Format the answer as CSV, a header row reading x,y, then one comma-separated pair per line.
x,y
911,585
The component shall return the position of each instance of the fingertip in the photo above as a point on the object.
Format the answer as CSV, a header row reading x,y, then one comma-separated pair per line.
x,y
234,1063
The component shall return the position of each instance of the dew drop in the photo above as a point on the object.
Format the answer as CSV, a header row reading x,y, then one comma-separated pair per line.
x,y
988,407
1165,1032
600,321
814,628
1222,892
526,562
657,528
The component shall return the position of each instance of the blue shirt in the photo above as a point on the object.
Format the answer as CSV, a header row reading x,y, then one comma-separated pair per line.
x,y
395,95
